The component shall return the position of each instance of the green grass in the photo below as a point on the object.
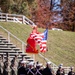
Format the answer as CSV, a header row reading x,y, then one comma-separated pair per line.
x,y
61,44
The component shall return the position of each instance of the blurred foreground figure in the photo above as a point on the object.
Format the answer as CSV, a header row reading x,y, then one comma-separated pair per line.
x,y
72,71
1,65
60,70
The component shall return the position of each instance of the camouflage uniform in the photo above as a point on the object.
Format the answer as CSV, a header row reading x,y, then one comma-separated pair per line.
x,y
7,69
13,70
1,65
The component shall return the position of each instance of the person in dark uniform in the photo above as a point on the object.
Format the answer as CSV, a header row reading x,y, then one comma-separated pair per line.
x,y
72,71
48,70
60,71
23,59
22,69
30,70
39,70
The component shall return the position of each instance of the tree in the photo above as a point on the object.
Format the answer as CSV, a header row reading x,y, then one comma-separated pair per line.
x,y
68,13
42,13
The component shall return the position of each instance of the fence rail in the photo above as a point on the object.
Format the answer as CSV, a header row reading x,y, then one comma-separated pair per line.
x,y
15,18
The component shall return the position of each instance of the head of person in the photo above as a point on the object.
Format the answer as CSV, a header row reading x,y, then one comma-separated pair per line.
x,y
31,64
59,68
34,26
61,65
23,63
48,64
38,66
37,62
72,68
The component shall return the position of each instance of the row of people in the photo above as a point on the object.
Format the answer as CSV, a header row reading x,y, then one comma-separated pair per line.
x,y
15,67
40,70
22,67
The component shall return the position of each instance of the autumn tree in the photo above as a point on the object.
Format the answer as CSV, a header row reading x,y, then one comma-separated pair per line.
x,y
42,13
68,13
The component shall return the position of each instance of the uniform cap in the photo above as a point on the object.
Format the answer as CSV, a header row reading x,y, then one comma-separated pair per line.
x,y
49,63
39,64
61,65
23,61
31,63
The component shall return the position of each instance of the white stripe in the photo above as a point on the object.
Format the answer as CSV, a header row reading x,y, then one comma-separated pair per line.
x,y
43,50
44,41
43,45
38,38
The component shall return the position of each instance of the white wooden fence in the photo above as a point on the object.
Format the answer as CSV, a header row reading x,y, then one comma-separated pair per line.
x,y
15,18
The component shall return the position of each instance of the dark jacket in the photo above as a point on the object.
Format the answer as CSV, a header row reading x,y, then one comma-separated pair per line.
x,y
60,72
31,71
22,71
47,71
71,73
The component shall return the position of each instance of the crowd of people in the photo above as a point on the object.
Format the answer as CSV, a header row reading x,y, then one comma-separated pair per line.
x,y
22,67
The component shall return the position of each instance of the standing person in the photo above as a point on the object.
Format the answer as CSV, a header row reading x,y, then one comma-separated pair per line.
x,y
23,59
60,70
1,65
22,69
7,68
15,61
39,69
48,70
13,69
30,70
72,71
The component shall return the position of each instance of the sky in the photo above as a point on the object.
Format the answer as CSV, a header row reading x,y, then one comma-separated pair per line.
x,y
56,7
58,17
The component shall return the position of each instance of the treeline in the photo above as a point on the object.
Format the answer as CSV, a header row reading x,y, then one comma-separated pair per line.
x,y
45,13
17,6
56,13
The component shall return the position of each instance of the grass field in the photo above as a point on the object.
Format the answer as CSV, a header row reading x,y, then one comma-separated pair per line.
x,y
61,44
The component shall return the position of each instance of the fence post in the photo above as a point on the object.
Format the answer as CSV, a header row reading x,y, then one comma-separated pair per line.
x,y
23,47
23,19
6,17
9,37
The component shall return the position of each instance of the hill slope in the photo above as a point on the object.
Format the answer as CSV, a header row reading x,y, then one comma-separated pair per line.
x,y
61,44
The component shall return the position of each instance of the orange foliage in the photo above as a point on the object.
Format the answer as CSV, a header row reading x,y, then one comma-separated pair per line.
x,y
43,13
